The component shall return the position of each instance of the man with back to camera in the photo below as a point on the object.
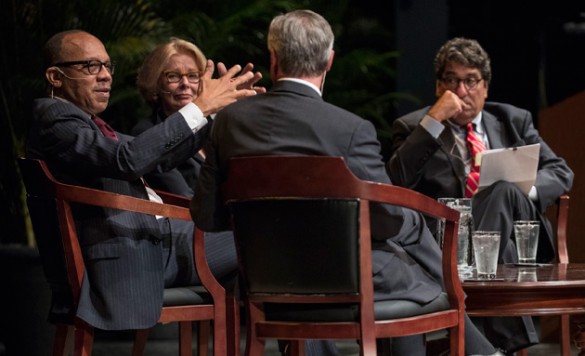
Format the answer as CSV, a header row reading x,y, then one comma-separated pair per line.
x,y
431,154
292,118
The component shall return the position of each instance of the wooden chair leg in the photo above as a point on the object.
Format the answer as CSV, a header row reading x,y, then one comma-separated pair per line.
x,y
186,338
83,342
254,345
457,340
61,336
140,339
232,325
565,339
297,347
203,334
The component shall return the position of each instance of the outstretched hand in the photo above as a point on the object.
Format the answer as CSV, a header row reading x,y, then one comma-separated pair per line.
x,y
215,94
250,84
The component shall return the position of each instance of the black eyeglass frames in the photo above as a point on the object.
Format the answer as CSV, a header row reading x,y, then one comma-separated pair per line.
x,y
92,66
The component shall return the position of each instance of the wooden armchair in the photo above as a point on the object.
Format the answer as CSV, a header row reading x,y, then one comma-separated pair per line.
x,y
302,229
49,203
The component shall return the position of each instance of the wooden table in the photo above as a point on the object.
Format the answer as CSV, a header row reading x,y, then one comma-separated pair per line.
x,y
554,289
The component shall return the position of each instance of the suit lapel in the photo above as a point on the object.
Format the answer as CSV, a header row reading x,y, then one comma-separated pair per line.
x,y
501,134
493,129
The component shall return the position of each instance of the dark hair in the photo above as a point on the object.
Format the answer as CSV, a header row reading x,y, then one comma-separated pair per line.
x,y
466,52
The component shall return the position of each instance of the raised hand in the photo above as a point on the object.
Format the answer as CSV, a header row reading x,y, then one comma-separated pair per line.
x,y
250,84
215,94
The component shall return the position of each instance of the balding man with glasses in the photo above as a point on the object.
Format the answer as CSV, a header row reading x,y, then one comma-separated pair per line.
x,y
434,150
129,257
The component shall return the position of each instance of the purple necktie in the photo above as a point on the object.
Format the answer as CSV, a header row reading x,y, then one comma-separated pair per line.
x,y
104,128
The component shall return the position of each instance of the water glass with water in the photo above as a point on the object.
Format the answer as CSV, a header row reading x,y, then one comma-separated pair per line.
x,y
464,258
526,236
486,248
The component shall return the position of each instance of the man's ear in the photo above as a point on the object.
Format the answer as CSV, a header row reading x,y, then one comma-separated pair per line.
x,y
438,90
54,77
330,61
273,65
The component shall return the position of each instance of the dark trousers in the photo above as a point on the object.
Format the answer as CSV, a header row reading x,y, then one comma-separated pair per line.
x,y
495,209
177,236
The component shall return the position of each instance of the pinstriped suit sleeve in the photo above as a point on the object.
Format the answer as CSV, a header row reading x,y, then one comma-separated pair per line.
x,y
65,134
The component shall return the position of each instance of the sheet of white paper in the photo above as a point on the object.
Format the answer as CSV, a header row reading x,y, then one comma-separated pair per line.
x,y
517,165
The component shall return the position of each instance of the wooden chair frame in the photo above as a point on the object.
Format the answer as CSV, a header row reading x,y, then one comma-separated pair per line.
x,y
252,178
223,312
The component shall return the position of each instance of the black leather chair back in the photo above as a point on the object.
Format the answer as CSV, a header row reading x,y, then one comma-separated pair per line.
x,y
311,245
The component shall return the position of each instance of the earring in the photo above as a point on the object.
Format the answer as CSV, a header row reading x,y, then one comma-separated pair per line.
x,y
52,95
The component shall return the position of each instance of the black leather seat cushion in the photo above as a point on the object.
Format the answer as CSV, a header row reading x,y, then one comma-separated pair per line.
x,y
383,310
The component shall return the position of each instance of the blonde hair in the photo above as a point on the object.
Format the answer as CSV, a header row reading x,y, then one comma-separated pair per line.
x,y
152,67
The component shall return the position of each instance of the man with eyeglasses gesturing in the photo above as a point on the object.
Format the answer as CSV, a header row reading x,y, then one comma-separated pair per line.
x,y
129,257
432,154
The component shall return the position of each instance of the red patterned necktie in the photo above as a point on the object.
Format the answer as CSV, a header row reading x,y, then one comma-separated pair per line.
x,y
475,146
104,128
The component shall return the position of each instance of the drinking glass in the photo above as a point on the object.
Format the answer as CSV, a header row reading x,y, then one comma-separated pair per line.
x,y
464,257
486,247
526,235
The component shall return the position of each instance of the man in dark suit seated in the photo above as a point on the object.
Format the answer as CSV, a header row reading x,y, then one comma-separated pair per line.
x,y
129,257
432,155
293,118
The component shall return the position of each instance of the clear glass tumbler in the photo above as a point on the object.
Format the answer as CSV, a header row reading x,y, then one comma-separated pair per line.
x,y
464,257
486,248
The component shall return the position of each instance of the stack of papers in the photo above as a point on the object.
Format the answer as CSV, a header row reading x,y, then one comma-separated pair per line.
x,y
517,165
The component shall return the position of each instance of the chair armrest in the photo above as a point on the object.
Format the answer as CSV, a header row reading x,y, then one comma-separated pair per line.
x,y
562,221
173,199
389,194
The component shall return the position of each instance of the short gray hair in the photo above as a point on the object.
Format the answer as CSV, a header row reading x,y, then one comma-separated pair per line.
x,y
303,41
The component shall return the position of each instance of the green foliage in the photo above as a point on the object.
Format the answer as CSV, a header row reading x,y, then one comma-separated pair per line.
x,y
230,31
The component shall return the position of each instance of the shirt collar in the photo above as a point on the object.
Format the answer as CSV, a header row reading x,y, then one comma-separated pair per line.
x,y
300,81
478,127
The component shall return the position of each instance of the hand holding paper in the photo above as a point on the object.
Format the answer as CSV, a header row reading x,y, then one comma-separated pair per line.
x,y
517,165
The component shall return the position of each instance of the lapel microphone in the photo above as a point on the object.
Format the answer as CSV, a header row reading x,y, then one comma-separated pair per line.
x,y
60,71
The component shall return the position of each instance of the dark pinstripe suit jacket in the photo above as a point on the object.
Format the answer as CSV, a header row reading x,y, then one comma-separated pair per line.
x,y
293,119
180,180
124,280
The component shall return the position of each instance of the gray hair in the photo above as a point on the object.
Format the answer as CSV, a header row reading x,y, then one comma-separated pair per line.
x,y
466,52
302,41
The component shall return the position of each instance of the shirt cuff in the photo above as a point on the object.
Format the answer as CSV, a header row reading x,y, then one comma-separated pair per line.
x,y
193,117
432,126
